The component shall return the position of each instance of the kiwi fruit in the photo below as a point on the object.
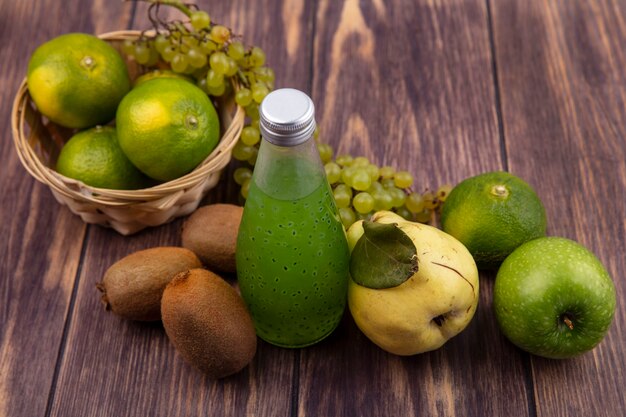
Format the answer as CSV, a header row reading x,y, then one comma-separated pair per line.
x,y
132,287
211,232
208,323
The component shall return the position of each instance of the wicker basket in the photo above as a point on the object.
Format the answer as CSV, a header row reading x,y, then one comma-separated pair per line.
x,y
39,141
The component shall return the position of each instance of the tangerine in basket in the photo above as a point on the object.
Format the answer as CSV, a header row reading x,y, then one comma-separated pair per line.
x,y
94,157
77,80
166,127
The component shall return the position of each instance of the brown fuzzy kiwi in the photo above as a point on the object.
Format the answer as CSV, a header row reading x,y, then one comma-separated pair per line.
x,y
132,287
211,232
208,323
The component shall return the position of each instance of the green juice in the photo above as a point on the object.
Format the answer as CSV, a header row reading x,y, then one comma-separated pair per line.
x,y
292,257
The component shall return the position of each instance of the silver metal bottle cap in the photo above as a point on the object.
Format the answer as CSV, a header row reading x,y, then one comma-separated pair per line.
x,y
287,117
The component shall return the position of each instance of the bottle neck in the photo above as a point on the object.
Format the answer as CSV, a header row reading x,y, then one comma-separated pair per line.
x,y
288,172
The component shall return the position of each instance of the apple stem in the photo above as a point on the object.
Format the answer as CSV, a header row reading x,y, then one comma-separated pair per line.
x,y
568,322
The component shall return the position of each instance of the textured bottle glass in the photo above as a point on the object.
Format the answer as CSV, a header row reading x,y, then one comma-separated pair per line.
x,y
292,253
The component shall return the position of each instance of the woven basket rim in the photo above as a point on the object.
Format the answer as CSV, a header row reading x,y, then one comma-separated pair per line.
x,y
79,191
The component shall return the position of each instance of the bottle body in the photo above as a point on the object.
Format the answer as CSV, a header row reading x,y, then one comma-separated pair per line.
x,y
292,253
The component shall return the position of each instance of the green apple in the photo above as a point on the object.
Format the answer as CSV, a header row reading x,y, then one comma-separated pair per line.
x,y
412,287
553,298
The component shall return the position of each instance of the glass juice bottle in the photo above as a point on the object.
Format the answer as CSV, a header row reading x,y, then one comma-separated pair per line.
x,y
292,253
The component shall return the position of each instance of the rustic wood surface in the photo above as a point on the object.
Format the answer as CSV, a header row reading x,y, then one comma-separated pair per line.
x,y
445,89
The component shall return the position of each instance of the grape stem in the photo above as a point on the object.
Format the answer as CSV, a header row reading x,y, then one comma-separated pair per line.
x,y
243,78
182,7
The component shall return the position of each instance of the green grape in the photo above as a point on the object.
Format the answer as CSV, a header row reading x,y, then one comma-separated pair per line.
x,y
414,202
375,187
200,20
342,197
161,42
257,57
255,123
243,97
242,174
232,67
220,34
360,161
196,58
254,156
265,74
252,111
347,174
142,53
216,91
344,160
250,136
398,197
373,172
387,172
360,179
405,213
236,50
179,63
347,216
333,172
201,83
219,62
403,179
423,216
443,192
249,76
363,203
128,47
242,152
326,152
344,189
245,187
388,183
316,133
382,200
207,46
154,56
214,79
430,201
259,91
169,52
175,36
190,42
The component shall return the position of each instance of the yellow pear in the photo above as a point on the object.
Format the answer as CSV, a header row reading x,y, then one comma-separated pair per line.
x,y
416,286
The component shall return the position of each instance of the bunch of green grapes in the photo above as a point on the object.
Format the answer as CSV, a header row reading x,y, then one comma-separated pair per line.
x,y
361,188
214,57
221,65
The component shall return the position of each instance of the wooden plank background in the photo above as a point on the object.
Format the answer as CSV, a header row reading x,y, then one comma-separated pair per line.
x,y
445,89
